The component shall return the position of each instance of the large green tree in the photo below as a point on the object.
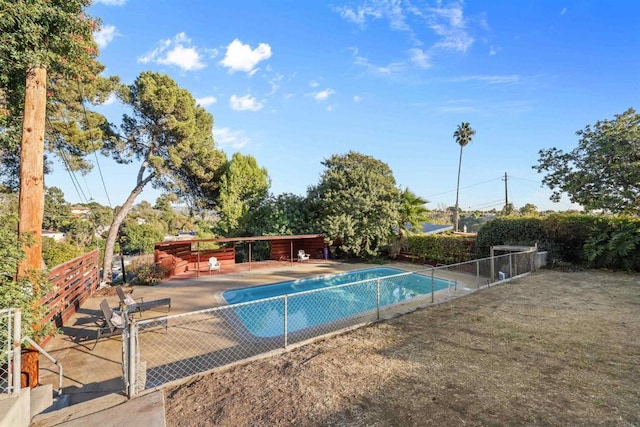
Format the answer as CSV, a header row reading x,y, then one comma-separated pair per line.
x,y
285,214
603,171
139,238
172,138
463,136
243,186
357,202
57,212
39,39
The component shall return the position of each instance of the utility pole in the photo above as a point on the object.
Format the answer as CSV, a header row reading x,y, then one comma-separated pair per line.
x,y
506,194
31,199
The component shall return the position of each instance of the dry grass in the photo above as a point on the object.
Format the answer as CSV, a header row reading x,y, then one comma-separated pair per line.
x,y
553,348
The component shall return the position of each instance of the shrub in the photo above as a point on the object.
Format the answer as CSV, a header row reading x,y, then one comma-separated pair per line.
x,y
27,292
524,231
591,240
55,253
440,248
145,272
615,243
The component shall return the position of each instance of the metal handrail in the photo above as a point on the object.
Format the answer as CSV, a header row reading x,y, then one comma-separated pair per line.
x,y
50,357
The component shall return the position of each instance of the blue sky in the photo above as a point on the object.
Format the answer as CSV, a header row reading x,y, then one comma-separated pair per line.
x,y
293,82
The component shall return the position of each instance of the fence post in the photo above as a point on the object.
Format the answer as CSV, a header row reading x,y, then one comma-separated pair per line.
x,y
286,338
478,273
510,264
17,340
131,348
432,298
378,298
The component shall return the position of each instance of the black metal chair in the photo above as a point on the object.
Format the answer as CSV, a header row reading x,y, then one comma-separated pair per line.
x,y
108,327
139,304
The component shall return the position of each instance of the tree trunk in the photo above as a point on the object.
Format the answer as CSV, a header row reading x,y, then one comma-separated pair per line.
x,y
107,268
456,214
31,199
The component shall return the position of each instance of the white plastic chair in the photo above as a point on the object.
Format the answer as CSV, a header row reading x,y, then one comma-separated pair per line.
x,y
213,264
303,256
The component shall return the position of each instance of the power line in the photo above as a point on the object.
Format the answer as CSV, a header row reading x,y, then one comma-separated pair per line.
x,y
539,187
524,179
67,164
463,188
86,119
490,204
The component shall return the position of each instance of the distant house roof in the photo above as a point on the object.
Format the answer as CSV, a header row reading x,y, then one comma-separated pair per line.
x,y
435,228
55,235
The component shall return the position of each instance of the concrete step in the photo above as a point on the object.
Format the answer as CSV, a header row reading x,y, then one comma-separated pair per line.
x,y
110,410
41,398
66,414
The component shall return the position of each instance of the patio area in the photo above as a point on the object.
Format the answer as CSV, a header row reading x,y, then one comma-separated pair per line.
x,y
89,374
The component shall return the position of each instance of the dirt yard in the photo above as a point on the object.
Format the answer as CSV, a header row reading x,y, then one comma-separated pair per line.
x,y
553,348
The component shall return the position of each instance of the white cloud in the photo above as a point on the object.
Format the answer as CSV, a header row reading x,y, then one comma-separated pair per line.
x,y
359,15
226,137
176,52
393,68
357,98
110,99
206,100
563,11
376,9
420,58
274,82
111,2
186,58
446,21
493,50
314,83
323,95
240,57
105,35
492,80
245,103
449,23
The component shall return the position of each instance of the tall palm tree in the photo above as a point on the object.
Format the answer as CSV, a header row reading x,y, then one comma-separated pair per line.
x,y
463,135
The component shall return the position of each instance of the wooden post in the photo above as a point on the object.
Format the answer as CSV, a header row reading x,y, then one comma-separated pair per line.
x,y
31,200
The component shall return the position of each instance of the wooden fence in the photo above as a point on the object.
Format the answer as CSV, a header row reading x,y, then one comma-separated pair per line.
x,y
73,282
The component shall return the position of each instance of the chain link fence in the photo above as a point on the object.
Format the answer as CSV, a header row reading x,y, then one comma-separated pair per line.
x,y
164,349
10,352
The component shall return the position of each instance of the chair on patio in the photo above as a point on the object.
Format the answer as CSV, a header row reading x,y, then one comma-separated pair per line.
x,y
139,304
303,256
112,323
213,264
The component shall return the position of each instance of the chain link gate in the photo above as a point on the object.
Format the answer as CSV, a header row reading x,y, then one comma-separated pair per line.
x,y
10,325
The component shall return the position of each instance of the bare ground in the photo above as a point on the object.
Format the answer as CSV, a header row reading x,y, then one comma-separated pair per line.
x,y
553,348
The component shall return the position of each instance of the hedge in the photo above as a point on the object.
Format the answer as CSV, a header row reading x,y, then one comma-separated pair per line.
x,y
440,248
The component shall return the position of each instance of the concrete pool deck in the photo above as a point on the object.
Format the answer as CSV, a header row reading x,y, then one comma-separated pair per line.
x,y
92,374
89,374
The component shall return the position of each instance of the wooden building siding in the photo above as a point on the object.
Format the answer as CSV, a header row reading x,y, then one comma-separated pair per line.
x,y
180,256
281,249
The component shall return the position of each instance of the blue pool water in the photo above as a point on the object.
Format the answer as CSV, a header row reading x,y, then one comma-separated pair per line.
x,y
319,300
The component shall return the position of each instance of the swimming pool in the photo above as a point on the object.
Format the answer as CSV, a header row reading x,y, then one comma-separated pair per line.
x,y
319,300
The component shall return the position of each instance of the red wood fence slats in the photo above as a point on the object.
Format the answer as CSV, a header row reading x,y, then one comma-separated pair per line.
x,y
281,249
73,282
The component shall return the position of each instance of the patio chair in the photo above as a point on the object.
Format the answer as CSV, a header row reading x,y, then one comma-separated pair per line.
x,y
112,323
213,264
139,304
303,256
